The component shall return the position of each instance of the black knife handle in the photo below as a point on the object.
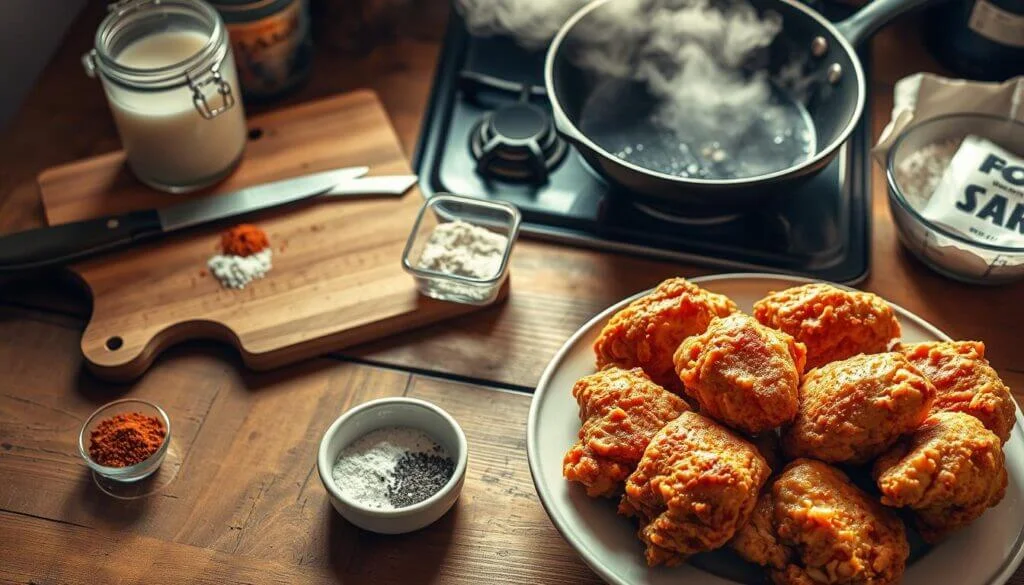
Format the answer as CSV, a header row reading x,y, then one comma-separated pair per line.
x,y
59,244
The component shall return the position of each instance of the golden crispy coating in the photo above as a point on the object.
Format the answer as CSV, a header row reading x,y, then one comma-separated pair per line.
x,y
696,484
647,332
833,323
757,541
620,411
949,472
837,534
853,410
742,373
965,382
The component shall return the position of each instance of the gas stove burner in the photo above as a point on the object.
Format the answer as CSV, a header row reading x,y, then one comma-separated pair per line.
x,y
517,141
489,132
680,217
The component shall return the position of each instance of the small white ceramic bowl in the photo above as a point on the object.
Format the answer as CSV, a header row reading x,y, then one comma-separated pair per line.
x,y
394,412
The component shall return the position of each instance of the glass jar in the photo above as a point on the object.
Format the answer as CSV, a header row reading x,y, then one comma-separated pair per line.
x,y
496,216
271,42
170,80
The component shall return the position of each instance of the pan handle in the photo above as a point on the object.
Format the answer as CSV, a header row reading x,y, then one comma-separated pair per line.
x,y
564,126
866,21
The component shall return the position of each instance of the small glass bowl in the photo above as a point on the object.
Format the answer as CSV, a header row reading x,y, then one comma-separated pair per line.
x,y
496,216
140,470
941,249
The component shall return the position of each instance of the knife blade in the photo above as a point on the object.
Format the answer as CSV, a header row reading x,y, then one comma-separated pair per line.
x,y
386,185
253,198
51,246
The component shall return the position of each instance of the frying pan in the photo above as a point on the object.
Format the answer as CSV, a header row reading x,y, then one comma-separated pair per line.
x,y
833,102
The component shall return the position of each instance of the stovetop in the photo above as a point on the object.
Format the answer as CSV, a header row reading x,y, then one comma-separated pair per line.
x,y
486,135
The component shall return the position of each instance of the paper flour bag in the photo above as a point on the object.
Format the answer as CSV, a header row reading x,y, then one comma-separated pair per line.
x,y
981,194
924,96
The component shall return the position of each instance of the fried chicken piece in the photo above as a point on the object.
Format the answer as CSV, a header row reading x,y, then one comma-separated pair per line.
x,y
949,472
814,527
853,410
833,323
757,541
695,486
834,533
647,333
742,373
965,382
620,410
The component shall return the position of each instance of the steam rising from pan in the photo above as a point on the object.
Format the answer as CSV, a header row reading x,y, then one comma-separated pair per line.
x,y
686,88
532,22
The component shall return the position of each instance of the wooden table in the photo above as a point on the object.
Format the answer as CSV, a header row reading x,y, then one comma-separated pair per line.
x,y
246,505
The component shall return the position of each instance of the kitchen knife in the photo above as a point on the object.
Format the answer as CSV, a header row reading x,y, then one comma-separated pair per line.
x,y
50,246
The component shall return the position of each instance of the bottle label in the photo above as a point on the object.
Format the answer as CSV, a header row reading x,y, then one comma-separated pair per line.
x,y
981,194
269,51
997,24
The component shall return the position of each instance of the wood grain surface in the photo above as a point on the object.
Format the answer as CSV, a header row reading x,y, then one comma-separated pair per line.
x,y
246,505
237,512
337,279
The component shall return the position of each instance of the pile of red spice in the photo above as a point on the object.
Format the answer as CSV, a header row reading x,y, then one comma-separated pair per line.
x,y
246,256
126,439
244,240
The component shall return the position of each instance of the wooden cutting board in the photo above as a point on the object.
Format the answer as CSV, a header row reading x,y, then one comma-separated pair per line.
x,y
336,280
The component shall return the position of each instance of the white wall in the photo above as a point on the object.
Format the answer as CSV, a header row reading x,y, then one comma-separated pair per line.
x,y
30,31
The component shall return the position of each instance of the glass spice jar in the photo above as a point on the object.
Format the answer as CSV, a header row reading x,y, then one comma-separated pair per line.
x,y
169,76
271,42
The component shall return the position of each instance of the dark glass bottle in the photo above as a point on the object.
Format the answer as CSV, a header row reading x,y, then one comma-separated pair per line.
x,y
978,39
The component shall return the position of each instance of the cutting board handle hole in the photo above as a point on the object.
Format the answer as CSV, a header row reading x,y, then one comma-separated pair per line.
x,y
255,133
114,343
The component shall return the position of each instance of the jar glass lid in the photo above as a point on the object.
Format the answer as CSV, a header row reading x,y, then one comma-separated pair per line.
x,y
130,22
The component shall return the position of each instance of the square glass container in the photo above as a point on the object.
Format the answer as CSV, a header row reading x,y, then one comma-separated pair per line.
x,y
495,216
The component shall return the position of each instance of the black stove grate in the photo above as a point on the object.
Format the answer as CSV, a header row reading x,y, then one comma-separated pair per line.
x,y
487,134
517,141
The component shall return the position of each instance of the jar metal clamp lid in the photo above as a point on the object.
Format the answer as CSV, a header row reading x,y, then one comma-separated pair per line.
x,y
121,27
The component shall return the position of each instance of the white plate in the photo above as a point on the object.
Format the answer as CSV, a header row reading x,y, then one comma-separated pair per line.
x,y
985,553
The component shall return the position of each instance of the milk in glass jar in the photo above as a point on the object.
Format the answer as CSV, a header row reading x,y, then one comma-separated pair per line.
x,y
169,77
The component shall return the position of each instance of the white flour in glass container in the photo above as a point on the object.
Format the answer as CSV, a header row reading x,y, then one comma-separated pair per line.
x,y
464,249
920,173
981,195
969,188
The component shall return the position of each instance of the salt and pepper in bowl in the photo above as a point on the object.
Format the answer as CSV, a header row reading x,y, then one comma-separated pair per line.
x,y
459,248
393,465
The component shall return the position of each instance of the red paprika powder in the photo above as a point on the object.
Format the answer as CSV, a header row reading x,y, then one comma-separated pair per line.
x,y
244,240
126,439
